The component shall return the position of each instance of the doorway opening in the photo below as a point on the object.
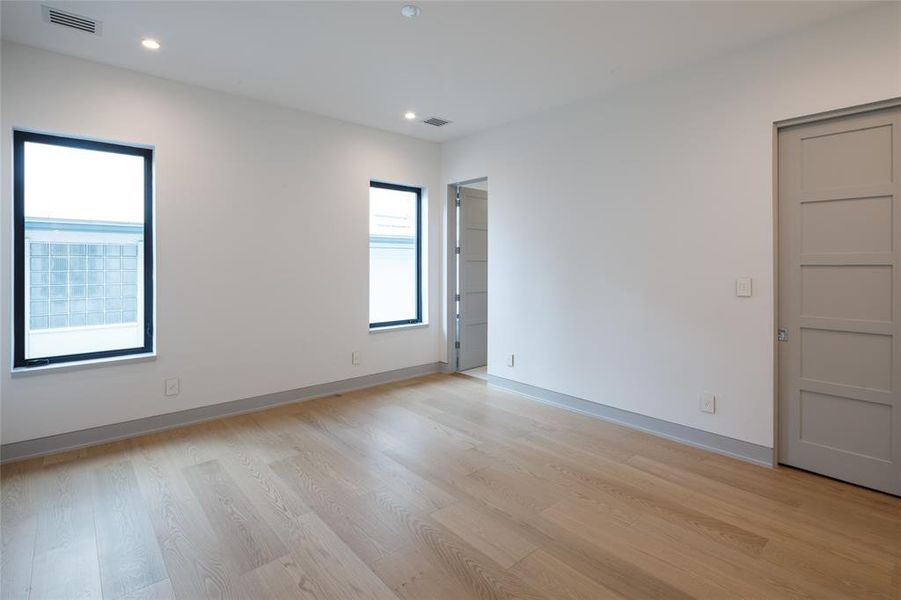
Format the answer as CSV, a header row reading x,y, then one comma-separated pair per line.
x,y
468,231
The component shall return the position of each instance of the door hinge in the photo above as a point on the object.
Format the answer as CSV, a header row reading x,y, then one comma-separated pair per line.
x,y
456,344
457,297
782,335
457,250
457,201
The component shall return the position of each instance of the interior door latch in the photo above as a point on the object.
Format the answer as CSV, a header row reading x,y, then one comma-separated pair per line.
x,y
782,335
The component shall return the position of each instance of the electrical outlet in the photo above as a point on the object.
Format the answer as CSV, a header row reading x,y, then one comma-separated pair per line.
x,y
510,360
355,358
172,387
708,402
743,287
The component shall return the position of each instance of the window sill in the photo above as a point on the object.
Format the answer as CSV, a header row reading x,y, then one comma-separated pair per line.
x,y
83,364
397,327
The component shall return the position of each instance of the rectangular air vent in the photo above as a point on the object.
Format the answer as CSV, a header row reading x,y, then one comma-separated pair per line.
x,y
71,20
436,121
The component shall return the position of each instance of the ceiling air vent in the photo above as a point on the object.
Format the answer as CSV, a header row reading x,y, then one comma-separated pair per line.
x,y
436,121
71,20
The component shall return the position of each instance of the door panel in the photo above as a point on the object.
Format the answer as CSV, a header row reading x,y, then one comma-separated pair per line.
x,y
847,358
474,275
846,157
851,225
866,426
473,278
840,368
847,292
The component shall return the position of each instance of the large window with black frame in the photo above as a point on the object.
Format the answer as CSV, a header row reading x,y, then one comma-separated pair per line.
x,y
83,249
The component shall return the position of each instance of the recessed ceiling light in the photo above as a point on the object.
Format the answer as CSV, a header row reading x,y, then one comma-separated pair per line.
x,y
410,11
409,115
150,44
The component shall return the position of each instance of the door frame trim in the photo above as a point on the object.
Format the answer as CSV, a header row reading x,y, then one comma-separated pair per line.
x,y
777,126
840,112
450,234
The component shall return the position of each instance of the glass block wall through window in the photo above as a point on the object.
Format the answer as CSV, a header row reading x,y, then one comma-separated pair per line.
x,y
80,284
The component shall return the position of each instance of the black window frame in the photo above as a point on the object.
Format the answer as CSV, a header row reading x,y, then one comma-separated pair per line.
x,y
19,140
418,191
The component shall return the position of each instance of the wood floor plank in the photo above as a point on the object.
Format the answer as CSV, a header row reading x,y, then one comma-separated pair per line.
x,y
478,573
70,571
412,576
17,559
236,448
64,508
281,579
490,536
561,481
624,484
323,556
437,488
390,472
557,580
319,452
794,527
362,529
248,539
128,551
18,527
256,432
344,419
896,581
622,574
618,540
683,546
161,590
474,404
194,558
474,421
413,427
65,551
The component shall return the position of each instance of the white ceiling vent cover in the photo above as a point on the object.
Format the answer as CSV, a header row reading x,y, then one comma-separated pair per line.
x,y
71,20
437,121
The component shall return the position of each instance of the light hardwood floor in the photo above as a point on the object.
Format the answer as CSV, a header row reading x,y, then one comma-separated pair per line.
x,y
438,488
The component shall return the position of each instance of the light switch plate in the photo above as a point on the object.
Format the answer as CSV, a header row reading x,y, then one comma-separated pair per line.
x,y
743,287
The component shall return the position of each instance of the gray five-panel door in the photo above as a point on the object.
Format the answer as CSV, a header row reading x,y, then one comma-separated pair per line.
x,y
473,281
839,240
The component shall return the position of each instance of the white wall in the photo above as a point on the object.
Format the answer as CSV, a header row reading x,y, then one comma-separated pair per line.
x,y
618,226
262,244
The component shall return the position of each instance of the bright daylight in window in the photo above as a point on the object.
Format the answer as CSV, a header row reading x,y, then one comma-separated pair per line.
x,y
82,294
395,294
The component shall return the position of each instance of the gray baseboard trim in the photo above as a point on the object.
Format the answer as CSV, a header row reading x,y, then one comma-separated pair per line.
x,y
699,438
118,431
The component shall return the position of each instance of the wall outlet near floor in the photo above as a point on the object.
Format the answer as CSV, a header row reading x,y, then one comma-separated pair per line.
x,y
708,402
511,359
172,387
355,358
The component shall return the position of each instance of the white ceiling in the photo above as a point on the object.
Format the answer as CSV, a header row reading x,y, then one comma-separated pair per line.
x,y
478,64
